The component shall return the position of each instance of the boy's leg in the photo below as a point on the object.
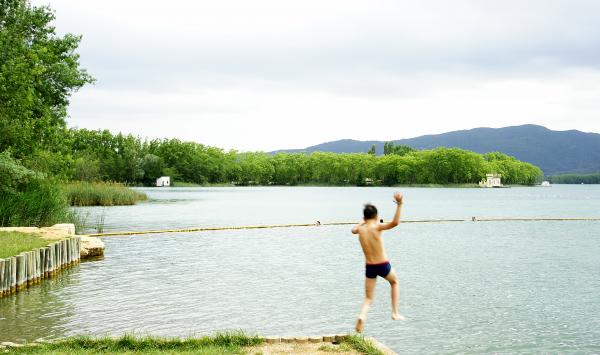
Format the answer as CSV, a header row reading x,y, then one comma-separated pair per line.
x,y
393,280
369,294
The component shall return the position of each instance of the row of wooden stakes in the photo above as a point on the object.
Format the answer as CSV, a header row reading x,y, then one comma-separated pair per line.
x,y
30,267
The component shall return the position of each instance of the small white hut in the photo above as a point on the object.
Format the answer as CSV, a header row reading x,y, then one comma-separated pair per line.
x,y
491,180
163,181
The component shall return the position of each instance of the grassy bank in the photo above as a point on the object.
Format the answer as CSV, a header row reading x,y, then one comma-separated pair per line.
x,y
221,343
101,194
14,243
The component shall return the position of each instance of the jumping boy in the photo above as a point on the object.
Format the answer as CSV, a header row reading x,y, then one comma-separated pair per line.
x,y
369,234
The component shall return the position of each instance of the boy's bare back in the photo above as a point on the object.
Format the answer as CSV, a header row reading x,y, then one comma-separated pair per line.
x,y
369,234
371,242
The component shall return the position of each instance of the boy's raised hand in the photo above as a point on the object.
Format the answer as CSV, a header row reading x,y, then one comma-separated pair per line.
x,y
398,197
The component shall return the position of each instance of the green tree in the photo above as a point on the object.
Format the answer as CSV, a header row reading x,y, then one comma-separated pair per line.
x,y
39,70
372,150
153,167
390,148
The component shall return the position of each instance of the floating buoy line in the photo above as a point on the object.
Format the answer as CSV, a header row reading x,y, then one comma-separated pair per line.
x,y
210,229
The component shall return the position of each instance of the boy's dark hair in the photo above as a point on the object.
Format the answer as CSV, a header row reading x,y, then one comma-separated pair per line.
x,y
369,211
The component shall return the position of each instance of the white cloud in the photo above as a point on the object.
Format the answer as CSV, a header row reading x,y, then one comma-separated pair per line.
x,y
277,74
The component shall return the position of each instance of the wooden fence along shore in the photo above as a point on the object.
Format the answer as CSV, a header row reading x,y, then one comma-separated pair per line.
x,y
30,267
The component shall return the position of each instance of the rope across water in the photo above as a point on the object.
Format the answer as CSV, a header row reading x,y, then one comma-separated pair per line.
x,y
208,229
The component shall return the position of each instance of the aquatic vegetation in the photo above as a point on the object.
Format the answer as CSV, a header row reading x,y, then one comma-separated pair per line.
x,y
83,193
29,198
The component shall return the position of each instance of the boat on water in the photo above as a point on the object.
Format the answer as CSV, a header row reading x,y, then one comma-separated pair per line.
x,y
545,184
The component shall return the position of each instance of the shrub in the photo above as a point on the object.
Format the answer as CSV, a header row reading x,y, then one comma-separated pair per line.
x,y
28,198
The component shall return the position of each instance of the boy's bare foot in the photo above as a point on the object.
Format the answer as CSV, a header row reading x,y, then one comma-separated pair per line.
x,y
360,324
398,316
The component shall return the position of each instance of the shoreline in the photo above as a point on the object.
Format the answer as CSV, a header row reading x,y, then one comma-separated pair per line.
x,y
222,343
433,186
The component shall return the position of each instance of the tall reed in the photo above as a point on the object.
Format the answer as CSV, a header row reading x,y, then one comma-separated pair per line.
x,y
83,193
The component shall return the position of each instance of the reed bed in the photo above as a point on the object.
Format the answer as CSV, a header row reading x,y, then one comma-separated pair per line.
x,y
82,193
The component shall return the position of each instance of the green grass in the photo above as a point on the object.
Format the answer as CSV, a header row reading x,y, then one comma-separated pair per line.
x,y
342,348
221,343
101,194
362,345
14,243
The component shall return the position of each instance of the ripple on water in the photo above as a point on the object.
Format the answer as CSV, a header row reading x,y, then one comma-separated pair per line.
x,y
500,287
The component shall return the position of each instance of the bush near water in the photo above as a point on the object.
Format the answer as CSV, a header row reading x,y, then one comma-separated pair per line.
x,y
83,193
29,198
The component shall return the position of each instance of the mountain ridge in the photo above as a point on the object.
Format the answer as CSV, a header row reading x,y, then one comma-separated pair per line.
x,y
555,152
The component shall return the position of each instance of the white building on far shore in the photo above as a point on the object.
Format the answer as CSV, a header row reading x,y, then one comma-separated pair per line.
x,y
163,181
491,180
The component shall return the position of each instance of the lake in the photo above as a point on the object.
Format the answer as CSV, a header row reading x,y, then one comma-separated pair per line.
x,y
467,287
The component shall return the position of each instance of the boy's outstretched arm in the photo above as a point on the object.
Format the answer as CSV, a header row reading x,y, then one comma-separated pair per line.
x,y
396,220
355,228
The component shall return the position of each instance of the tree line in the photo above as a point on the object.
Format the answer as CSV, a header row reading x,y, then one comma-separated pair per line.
x,y
592,178
93,155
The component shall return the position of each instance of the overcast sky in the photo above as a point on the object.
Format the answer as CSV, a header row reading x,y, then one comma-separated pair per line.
x,y
266,75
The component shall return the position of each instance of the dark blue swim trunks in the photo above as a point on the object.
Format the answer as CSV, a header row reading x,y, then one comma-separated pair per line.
x,y
381,269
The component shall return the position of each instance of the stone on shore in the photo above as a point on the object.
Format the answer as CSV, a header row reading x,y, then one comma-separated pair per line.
x,y
91,247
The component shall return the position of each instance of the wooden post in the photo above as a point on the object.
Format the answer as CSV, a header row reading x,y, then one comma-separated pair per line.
x,y
47,262
58,252
49,256
56,264
71,252
21,271
26,269
2,287
42,263
78,249
13,274
31,266
68,252
72,240
55,257
63,253
38,269
31,262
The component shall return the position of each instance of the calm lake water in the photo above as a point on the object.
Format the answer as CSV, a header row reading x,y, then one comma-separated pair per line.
x,y
466,287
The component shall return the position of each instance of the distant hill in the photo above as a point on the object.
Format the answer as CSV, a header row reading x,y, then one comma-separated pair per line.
x,y
555,152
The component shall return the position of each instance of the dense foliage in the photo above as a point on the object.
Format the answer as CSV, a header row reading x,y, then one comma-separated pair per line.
x,y
28,198
575,179
38,72
100,155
